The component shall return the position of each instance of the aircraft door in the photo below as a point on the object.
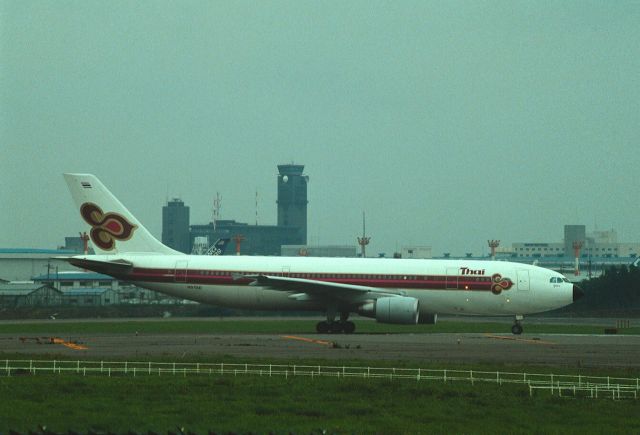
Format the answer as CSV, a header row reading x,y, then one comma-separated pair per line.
x,y
181,271
523,280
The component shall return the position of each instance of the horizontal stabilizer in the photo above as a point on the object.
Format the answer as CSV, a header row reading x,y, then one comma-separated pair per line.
x,y
114,267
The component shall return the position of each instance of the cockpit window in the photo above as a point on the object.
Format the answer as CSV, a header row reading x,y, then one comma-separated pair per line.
x,y
558,280
565,279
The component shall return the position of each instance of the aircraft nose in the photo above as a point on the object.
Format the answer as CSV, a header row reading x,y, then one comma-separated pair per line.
x,y
577,293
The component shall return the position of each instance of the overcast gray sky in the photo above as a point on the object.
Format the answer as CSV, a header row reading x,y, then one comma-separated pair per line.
x,y
449,122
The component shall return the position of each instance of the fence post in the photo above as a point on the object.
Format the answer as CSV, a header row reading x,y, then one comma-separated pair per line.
x,y
419,374
54,366
149,367
125,367
78,367
445,375
30,366
471,375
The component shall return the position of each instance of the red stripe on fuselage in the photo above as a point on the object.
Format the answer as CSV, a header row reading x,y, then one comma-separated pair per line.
x,y
222,277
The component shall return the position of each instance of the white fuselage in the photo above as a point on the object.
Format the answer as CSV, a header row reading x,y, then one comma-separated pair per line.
x,y
440,286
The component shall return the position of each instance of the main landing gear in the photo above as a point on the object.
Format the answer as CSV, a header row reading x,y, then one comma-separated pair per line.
x,y
516,329
331,326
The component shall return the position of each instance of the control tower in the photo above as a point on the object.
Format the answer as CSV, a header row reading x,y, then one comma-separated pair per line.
x,y
292,199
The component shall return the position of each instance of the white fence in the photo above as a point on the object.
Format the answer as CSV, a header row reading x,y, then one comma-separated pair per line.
x,y
574,385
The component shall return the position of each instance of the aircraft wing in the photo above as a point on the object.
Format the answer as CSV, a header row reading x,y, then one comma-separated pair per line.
x,y
321,289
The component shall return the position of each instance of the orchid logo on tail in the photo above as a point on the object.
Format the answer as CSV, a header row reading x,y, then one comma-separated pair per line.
x,y
106,228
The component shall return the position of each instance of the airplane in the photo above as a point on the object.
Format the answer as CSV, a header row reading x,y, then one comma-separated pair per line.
x,y
219,247
395,291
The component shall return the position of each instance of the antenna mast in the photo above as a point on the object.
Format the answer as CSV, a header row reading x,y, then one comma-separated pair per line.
x,y
217,205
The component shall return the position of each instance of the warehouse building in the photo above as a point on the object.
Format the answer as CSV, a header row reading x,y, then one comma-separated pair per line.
x,y
26,294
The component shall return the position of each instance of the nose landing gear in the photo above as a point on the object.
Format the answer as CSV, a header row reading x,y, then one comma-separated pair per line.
x,y
516,329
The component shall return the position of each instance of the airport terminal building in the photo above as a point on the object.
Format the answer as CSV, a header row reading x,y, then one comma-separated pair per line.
x,y
597,245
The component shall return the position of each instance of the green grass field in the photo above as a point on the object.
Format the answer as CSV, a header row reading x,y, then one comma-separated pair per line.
x,y
301,405
286,327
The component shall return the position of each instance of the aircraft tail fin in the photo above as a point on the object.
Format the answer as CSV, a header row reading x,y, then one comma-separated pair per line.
x,y
219,247
113,229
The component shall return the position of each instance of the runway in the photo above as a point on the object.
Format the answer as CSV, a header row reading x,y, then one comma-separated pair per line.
x,y
465,348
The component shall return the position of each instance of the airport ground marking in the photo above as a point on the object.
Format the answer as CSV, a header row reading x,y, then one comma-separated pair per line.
x,y
307,340
68,344
524,340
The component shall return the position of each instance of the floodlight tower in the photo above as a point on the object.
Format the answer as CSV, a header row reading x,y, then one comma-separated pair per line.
x,y
364,240
577,246
85,242
238,238
493,244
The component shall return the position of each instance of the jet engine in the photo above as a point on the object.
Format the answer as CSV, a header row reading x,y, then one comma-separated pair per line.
x,y
400,309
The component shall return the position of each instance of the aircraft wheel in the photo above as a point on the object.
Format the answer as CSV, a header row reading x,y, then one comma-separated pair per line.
x,y
348,327
336,327
516,329
322,327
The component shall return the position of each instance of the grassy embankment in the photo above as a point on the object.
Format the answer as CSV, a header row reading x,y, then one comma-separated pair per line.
x,y
263,404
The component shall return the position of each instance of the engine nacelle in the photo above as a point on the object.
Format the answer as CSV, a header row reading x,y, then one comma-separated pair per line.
x,y
400,309
428,318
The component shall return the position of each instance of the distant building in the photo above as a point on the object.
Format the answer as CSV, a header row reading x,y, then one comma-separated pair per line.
x,y
416,252
175,226
77,283
291,228
258,239
25,294
318,251
21,264
292,200
599,244
90,297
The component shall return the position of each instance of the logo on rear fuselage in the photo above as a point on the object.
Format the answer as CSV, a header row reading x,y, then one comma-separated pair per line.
x,y
106,228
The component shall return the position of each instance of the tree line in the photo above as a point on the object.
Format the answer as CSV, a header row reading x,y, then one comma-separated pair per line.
x,y
616,290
